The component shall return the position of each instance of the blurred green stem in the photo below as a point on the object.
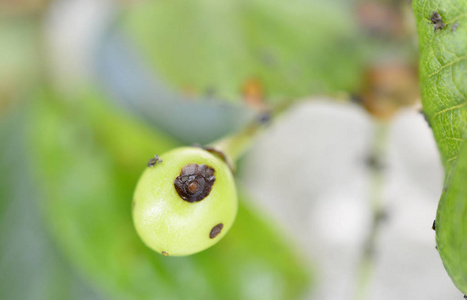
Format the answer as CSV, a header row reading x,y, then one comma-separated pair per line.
x,y
376,164
235,145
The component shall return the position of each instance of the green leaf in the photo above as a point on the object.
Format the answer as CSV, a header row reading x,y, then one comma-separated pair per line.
x,y
451,223
293,50
89,157
31,266
18,57
443,69
443,72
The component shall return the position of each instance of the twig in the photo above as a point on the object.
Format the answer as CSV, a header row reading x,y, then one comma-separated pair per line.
x,y
376,164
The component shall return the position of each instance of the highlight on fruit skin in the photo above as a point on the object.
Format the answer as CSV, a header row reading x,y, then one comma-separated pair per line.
x,y
184,202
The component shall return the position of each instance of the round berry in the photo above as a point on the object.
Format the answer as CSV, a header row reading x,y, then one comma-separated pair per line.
x,y
185,201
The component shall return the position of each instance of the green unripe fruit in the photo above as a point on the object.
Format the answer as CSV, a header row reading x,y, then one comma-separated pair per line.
x,y
184,202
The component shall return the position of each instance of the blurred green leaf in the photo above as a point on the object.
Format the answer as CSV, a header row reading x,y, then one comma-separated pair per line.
x,y
442,33
31,266
18,57
277,48
89,157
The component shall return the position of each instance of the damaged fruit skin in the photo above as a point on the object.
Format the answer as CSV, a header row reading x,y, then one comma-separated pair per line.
x,y
175,227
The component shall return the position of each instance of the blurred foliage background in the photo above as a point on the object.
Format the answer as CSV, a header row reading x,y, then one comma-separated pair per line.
x,y
89,90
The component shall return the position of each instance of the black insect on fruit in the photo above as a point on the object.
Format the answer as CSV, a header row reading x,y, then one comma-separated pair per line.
x,y
434,225
154,161
436,21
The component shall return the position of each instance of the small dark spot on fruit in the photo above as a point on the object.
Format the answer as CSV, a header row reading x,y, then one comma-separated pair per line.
x,y
165,253
194,182
454,27
436,21
133,204
434,225
436,247
154,161
216,230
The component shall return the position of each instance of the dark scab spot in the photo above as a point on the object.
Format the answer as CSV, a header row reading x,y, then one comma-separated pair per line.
x,y
194,182
154,161
435,17
165,253
436,21
434,225
190,169
193,187
216,230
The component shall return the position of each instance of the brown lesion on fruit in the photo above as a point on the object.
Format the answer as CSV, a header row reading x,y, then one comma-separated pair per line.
x,y
165,253
216,230
154,161
194,182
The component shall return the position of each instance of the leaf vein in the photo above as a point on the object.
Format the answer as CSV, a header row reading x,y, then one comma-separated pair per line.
x,y
447,65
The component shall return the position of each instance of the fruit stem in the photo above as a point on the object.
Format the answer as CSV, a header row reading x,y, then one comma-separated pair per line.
x,y
235,145
376,164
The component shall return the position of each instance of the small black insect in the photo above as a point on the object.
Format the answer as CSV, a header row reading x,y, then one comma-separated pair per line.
x,y
434,225
437,22
154,161
465,296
